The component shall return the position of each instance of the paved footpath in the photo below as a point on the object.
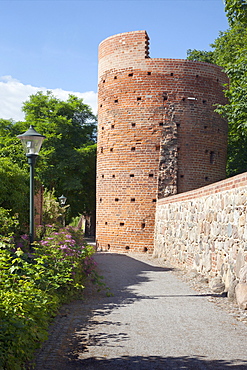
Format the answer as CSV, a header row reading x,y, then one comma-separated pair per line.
x,y
154,320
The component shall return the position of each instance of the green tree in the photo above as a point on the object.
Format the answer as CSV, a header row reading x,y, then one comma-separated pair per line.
x,y
14,180
230,52
68,155
236,11
14,189
200,55
10,145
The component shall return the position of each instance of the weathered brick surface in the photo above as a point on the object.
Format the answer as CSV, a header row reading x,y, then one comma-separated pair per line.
x,y
157,135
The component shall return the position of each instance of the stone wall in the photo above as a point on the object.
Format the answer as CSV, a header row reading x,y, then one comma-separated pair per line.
x,y
206,229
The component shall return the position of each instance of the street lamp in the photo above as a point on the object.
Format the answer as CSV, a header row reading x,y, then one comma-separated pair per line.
x,y
62,200
31,141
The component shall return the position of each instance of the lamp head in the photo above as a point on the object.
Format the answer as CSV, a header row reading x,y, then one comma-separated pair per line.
x,y
62,200
31,141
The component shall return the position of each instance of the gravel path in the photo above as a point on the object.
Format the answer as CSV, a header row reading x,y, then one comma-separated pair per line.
x,y
153,320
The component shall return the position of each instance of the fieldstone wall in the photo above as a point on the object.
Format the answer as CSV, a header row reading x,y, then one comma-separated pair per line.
x,y
206,230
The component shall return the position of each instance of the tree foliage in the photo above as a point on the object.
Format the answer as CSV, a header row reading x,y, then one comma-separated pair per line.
x,y
14,188
200,55
236,11
67,159
230,52
67,162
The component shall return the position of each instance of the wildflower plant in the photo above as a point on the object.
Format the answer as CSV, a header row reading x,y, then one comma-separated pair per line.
x,y
33,286
62,257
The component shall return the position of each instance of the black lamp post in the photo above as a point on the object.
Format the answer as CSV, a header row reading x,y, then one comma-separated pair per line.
x,y
31,141
62,201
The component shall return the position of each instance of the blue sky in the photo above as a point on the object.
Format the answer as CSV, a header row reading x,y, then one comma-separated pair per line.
x,y
53,44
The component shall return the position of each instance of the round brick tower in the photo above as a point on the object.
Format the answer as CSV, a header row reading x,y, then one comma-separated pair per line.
x,y
158,135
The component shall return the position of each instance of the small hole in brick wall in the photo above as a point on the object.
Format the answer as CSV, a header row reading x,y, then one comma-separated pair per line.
x,y
139,98
113,176
217,80
206,151
115,77
133,199
178,124
206,178
205,127
171,74
181,176
130,74
121,223
103,81
133,124
183,99
108,246
106,223
143,225
100,200
145,249
151,175
204,101
100,105
111,149
133,148
149,73
154,200
127,247
101,149
212,157
161,124
116,101
103,176
132,175
116,199
197,76
157,147
112,126
102,128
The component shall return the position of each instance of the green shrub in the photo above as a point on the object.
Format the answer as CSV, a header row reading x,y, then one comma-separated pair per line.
x,y
8,223
32,286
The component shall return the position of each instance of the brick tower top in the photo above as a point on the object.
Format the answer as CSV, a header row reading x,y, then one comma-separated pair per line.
x,y
120,51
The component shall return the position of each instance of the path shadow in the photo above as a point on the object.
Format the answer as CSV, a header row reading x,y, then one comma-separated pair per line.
x,y
122,274
153,363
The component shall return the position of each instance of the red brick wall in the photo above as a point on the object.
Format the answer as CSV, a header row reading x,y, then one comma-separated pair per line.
x,y
157,135
38,205
227,184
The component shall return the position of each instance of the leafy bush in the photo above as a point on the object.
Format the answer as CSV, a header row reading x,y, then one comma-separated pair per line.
x,y
53,213
33,285
8,223
14,189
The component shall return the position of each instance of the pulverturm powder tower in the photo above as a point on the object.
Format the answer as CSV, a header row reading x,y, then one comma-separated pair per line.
x,y
158,135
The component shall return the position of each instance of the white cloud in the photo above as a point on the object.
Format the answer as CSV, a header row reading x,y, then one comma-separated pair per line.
x,y
13,93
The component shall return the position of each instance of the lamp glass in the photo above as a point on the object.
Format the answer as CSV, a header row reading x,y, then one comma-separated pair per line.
x,y
62,200
31,141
